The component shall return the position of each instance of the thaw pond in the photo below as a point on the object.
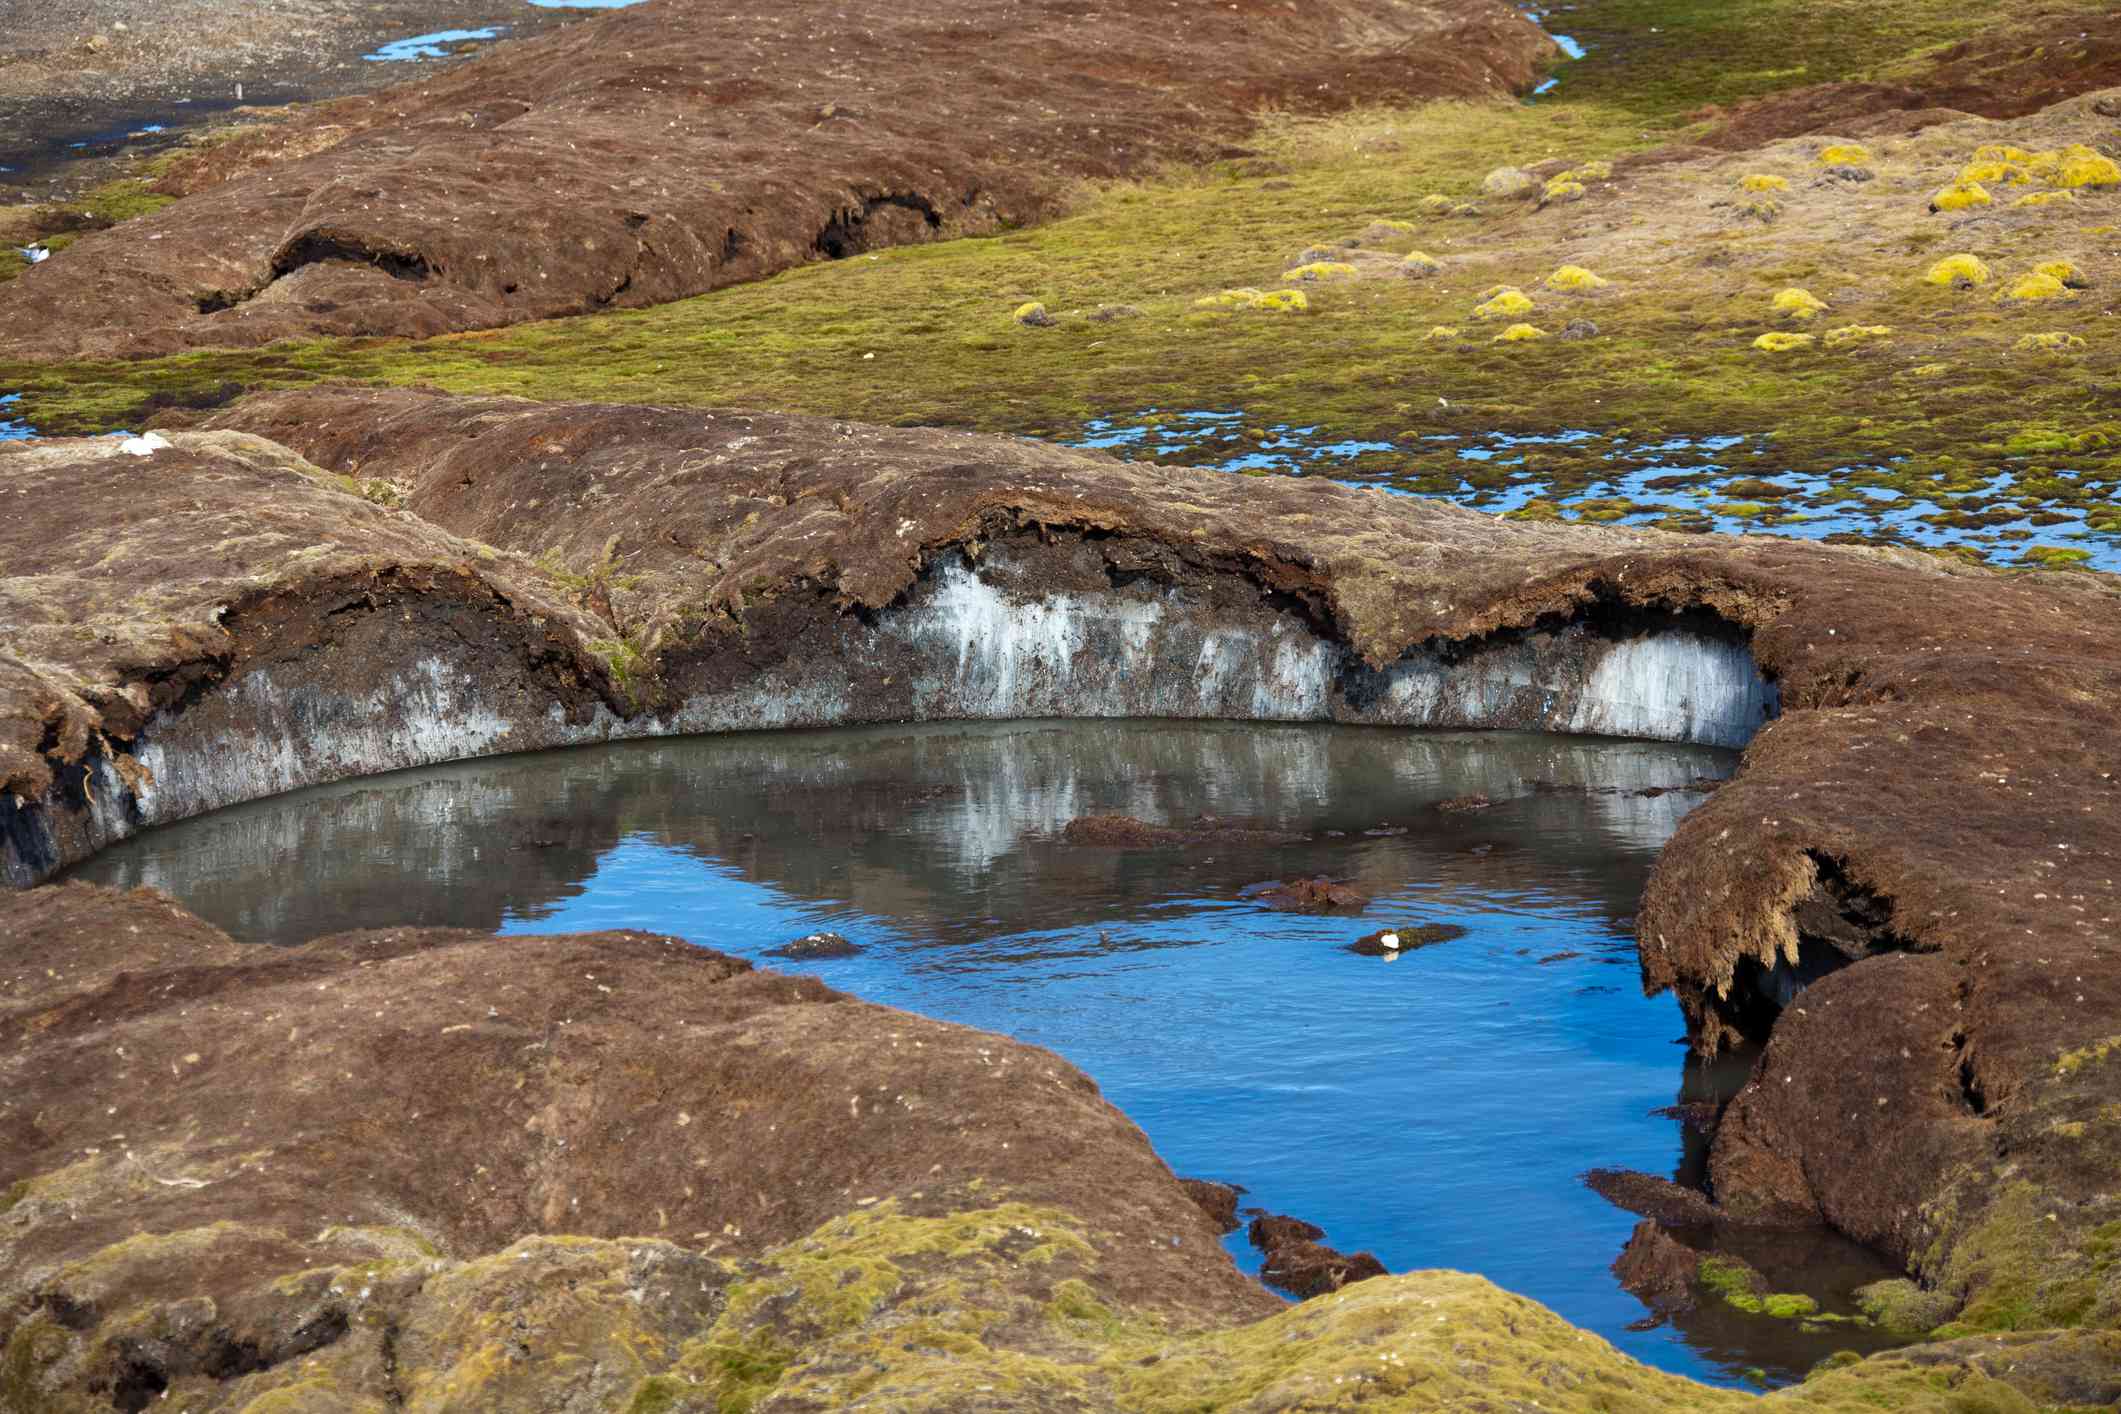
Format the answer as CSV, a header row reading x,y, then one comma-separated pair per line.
x,y
2022,510
1437,1109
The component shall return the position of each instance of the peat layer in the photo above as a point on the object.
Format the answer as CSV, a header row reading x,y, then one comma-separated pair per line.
x,y
700,144
1907,890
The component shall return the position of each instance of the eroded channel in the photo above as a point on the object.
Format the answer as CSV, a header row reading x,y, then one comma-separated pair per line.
x,y
1437,1109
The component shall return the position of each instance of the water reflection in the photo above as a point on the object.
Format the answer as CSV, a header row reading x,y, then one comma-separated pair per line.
x,y
1437,1109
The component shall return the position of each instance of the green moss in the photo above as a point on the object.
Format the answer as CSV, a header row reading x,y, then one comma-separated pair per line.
x,y
1321,270
1788,1304
2054,557
1794,303
1900,1306
15,1193
12,263
1730,1280
121,200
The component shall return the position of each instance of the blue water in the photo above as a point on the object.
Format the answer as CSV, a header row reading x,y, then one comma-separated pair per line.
x,y
1500,472
1437,1109
429,46
12,430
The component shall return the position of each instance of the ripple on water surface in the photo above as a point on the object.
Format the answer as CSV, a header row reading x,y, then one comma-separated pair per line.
x,y
1437,1109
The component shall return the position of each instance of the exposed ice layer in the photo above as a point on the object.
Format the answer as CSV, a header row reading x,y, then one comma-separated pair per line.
x,y
1130,655
294,736
965,646
1675,687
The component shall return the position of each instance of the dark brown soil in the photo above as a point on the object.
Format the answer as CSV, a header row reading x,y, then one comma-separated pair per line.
x,y
101,72
441,1095
1217,1200
1301,1265
2028,61
698,145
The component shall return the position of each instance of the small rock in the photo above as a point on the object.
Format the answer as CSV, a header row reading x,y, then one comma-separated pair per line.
x,y
1650,1197
1507,182
145,446
1106,313
1458,804
1405,939
1658,1268
1034,316
1842,173
1272,1230
1578,329
1319,894
816,945
1306,1269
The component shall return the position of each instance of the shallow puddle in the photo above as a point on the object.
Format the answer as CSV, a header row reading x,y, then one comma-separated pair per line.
x,y
1731,484
441,44
1437,1109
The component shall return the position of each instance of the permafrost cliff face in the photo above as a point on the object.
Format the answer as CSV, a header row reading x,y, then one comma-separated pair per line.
x,y
971,643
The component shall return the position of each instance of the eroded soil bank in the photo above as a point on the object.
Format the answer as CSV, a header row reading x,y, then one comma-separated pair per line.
x,y
1923,836
699,145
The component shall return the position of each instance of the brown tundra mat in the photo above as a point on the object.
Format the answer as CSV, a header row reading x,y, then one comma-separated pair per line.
x,y
1925,835
682,145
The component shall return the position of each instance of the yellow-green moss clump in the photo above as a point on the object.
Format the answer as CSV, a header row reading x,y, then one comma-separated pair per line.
x,y
2070,1062
1561,188
1783,343
1442,332
1321,270
1960,195
1959,272
1763,181
2053,342
2064,271
1797,304
1764,209
1285,301
1844,154
1419,265
2001,152
2045,198
1032,315
1574,279
1600,171
2036,285
2082,167
1437,204
1506,303
1995,173
1857,334
1519,334
1243,298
